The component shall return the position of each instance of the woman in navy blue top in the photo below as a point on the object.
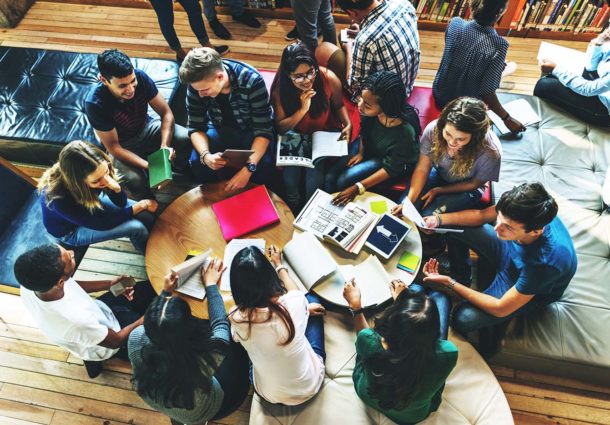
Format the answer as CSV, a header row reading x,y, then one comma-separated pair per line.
x,y
83,203
473,60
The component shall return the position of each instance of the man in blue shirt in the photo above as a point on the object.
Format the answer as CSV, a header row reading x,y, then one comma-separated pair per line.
x,y
529,247
228,108
118,112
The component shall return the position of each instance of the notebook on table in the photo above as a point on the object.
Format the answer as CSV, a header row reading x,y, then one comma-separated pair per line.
x,y
245,212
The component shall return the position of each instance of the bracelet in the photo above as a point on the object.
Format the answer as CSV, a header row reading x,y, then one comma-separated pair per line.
x,y
361,188
281,267
202,157
440,220
452,283
506,117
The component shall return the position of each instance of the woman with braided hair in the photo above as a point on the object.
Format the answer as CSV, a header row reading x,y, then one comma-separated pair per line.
x,y
388,139
458,154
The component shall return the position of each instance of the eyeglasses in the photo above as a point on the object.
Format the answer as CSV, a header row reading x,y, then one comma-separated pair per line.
x,y
300,78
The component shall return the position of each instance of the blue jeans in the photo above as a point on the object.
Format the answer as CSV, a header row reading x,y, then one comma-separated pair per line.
x,y
133,229
237,9
488,246
339,176
293,177
443,304
231,138
311,14
165,15
444,203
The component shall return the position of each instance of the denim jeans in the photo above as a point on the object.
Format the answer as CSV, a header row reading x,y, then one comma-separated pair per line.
x,y
339,176
293,178
588,109
443,304
147,142
127,311
308,15
487,245
165,15
232,374
133,229
314,332
444,203
237,9
231,138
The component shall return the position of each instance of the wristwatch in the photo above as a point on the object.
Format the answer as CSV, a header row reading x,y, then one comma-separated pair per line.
x,y
251,166
356,312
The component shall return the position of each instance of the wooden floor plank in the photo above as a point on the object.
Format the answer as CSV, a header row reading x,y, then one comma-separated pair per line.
x,y
25,412
65,418
33,349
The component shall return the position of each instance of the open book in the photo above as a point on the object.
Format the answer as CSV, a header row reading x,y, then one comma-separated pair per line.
x,y
409,211
304,250
347,227
189,275
302,150
569,59
520,110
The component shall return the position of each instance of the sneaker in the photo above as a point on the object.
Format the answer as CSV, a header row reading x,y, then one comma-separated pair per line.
x,y
222,49
247,19
509,69
219,29
292,35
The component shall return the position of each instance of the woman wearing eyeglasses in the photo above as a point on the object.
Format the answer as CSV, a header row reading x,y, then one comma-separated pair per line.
x,y
306,98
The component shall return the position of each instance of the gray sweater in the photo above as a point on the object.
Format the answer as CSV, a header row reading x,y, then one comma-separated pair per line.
x,y
206,404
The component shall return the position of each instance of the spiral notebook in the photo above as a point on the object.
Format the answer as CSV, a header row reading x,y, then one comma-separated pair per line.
x,y
245,212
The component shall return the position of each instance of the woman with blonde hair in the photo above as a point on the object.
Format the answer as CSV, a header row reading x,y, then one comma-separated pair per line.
x,y
459,153
83,203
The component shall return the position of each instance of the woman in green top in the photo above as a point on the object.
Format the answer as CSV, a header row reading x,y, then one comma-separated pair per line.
x,y
389,133
401,364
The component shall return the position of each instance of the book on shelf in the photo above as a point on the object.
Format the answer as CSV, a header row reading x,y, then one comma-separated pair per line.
x,y
347,227
189,275
560,15
303,150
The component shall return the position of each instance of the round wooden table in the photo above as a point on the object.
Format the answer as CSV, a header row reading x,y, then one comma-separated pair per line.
x,y
189,223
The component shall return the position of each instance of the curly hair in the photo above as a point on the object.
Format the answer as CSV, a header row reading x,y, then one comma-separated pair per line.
x,y
468,115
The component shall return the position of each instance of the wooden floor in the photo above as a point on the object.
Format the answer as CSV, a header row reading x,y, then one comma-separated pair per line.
x,y
42,384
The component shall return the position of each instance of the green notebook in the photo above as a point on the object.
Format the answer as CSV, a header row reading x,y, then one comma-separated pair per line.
x,y
159,169
408,261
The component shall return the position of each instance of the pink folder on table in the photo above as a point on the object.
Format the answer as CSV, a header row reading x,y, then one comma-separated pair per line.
x,y
245,212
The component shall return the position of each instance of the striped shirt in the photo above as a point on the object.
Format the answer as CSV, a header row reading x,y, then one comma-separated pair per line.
x,y
472,63
248,98
387,41
105,112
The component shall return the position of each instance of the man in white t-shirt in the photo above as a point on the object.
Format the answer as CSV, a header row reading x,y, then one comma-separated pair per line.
x,y
93,330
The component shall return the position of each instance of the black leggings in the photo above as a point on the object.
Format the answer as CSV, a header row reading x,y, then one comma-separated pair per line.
x,y
233,378
165,15
589,109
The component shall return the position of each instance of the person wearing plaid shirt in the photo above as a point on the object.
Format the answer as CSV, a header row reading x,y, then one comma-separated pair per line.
x,y
228,108
385,40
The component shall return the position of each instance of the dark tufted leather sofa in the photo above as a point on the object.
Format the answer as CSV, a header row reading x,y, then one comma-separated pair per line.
x,y
42,94
570,337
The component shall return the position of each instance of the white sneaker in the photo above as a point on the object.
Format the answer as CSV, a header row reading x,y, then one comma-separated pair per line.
x,y
509,69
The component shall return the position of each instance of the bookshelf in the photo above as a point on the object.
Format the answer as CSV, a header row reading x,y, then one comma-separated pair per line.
x,y
573,19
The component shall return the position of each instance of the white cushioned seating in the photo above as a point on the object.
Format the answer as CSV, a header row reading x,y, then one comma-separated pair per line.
x,y
569,337
472,394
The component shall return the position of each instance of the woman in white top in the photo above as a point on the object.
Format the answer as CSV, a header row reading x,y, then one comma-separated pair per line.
x,y
271,319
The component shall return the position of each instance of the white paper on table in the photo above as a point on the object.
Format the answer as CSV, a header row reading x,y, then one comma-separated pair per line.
x,y
520,110
193,285
371,278
231,251
570,59
309,259
409,211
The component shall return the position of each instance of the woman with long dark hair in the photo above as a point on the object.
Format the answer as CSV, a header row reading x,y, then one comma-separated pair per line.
x,y
402,363
186,367
83,202
388,139
459,153
307,98
280,327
